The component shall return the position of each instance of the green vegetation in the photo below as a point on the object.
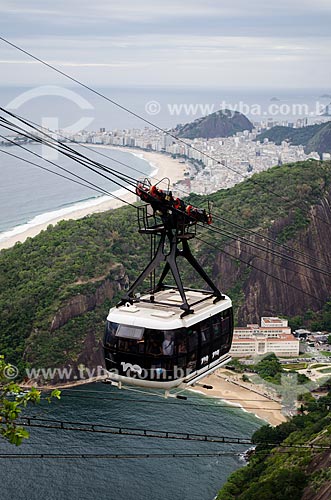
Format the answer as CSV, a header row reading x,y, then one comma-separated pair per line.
x,y
236,365
295,366
271,370
44,273
325,370
300,184
282,472
13,402
314,137
315,321
326,385
73,261
223,123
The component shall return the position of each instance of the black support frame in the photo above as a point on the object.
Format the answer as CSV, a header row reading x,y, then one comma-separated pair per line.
x,y
173,231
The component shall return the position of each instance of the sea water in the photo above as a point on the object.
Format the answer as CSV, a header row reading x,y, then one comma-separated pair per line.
x,y
31,195
177,478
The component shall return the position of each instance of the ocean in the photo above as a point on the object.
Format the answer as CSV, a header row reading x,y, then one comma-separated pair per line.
x,y
30,196
178,478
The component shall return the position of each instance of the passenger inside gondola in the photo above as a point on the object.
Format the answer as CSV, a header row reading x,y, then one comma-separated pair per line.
x,y
129,346
154,347
168,344
181,345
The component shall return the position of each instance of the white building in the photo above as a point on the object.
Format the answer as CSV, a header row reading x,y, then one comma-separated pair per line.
x,y
274,335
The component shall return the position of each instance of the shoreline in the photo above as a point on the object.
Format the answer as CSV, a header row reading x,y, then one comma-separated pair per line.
x,y
162,165
238,395
233,393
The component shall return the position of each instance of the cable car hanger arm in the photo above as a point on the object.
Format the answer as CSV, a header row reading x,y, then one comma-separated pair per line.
x,y
178,219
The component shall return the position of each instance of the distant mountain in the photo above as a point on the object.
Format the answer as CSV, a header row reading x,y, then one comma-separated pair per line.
x,y
223,123
313,138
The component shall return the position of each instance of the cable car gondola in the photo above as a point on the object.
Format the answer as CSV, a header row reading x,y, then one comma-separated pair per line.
x,y
171,335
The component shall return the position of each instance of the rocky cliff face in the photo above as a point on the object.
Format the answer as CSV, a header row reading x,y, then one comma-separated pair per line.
x,y
90,359
263,294
55,289
319,464
83,303
266,296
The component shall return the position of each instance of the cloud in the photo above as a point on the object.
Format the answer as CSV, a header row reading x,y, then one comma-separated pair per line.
x,y
144,11
156,41
66,64
132,13
151,10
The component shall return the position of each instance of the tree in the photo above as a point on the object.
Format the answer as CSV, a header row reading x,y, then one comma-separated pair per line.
x,y
12,403
269,367
237,366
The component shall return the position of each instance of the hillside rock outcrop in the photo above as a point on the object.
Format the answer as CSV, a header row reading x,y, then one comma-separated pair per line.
x,y
82,303
263,294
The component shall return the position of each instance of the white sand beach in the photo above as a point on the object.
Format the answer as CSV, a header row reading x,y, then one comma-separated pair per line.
x,y
257,401
165,166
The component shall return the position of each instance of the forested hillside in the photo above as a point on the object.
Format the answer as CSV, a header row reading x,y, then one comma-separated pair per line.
x,y
56,288
297,469
313,138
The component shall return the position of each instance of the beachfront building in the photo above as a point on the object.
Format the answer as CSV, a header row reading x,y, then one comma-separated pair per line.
x,y
274,335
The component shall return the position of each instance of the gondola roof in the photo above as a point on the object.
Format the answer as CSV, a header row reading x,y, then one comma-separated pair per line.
x,y
164,313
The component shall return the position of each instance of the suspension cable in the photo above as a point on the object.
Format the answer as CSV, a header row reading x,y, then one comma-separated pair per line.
x,y
71,173
276,253
216,229
124,108
215,216
233,257
133,180
156,433
87,162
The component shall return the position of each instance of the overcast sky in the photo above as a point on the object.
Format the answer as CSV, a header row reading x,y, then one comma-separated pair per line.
x,y
208,43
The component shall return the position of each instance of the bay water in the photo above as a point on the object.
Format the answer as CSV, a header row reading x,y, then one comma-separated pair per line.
x,y
177,478
29,194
